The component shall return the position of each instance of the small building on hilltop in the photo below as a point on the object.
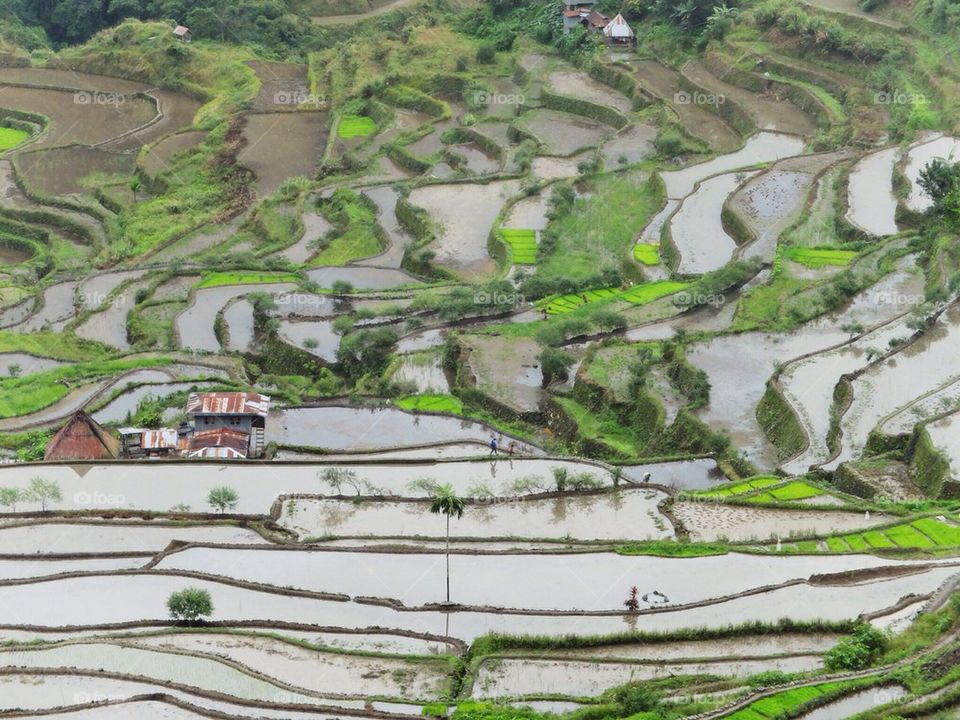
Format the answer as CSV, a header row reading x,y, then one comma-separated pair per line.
x,y
575,12
182,33
82,438
618,32
239,412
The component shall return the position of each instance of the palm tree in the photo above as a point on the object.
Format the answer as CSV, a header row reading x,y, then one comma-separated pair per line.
x,y
446,501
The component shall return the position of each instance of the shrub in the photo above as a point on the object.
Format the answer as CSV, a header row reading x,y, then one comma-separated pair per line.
x,y
222,498
856,651
486,53
190,604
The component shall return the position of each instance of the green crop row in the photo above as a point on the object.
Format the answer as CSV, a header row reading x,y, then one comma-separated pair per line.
x,y
523,244
646,253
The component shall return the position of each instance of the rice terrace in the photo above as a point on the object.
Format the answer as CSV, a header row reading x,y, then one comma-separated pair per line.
x,y
480,359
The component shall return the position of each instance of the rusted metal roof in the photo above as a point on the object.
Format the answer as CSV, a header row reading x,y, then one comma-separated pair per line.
x,y
597,20
228,403
82,438
163,439
220,442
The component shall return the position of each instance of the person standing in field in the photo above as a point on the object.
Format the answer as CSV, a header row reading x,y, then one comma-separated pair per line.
x,y
493,444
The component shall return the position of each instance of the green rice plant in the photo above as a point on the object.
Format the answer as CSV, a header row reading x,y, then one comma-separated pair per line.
x,y
856,542
648,292
11,137
637,295
877,539
795,491
837,545
430,403
523,245
907,536
352,126
245,277
646,253
942,534
745,486
820,256
786,703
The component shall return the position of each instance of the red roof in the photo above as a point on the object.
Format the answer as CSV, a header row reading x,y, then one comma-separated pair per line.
x,y
571,13
228,403
82,438
221,442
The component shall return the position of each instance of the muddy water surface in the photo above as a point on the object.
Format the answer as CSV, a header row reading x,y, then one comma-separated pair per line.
x,y
631,514
697,229
872,204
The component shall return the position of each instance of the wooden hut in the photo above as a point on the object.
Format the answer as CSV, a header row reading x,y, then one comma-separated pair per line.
x,y
82,438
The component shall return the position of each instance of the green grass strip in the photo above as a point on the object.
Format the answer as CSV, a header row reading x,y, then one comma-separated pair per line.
x,y
431,403
820,257
242,277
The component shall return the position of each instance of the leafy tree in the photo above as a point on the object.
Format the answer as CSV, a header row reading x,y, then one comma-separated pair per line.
x,y
366,352
34,447
938,179
190,604
14,369
9,497
43,492
448,503
222,498
555,365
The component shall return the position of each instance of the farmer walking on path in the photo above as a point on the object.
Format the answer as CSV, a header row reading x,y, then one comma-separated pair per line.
x,y
493,444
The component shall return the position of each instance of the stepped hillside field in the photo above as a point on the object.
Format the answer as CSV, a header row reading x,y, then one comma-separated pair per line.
x,y
480,359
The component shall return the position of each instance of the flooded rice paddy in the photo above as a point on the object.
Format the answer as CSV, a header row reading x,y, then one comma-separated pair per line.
x,y
697,229
920,368
143,597
467,213
760,148
627,514
872,204
538,582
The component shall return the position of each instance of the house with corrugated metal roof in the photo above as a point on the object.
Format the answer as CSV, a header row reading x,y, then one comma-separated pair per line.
x,y
82,438
240,413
